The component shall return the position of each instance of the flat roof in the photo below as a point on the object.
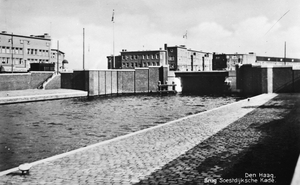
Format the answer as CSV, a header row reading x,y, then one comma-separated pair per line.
x,y
23,36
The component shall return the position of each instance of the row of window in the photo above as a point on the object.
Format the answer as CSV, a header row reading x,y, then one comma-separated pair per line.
x,y
7,60
39,52
37,60
16,50
144,64
134,57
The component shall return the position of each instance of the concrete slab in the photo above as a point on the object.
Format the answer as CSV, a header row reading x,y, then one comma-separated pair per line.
x,y
19,96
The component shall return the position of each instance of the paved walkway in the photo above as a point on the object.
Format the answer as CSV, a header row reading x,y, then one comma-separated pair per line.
x,y
131,158
18,96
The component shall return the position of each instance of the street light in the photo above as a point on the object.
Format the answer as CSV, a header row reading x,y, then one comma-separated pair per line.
x,y
12,52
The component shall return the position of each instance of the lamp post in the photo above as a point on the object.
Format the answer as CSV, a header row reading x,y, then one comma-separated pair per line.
x,y
57,57
12,53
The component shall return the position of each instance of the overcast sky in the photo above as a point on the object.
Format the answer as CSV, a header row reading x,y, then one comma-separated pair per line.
x,y
222,26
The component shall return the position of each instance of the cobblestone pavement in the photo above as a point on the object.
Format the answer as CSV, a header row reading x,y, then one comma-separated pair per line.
x,y
133,158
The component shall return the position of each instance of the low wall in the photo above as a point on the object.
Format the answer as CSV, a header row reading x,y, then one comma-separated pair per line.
x,y
105,82
257,79
22,81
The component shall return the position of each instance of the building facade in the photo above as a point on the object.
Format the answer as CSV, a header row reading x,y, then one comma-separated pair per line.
x,y
229,61
182,59
278,61
137,59
114,65
177,58
58,57
18,51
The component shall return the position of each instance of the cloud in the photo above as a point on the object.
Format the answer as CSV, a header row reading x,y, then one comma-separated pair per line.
x,y
213,26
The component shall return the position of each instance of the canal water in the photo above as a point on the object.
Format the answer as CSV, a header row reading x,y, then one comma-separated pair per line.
x,y
37,130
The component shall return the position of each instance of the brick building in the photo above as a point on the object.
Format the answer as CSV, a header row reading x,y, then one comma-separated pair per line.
x,y
178,58
182,59
136,59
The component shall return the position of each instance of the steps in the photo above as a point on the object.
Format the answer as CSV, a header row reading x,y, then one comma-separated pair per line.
x,y
44,84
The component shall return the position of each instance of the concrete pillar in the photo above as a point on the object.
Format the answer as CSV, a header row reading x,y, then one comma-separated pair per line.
x,y
93,83
269,79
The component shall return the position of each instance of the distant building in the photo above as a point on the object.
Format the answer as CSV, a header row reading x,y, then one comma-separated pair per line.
x,y
135,59
18,51
278,61
178,58
62,62
114,65
229,61
182,59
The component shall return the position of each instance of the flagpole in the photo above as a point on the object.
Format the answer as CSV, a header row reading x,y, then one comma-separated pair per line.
x,y
83,57
114,61
186,39
113,20
185,36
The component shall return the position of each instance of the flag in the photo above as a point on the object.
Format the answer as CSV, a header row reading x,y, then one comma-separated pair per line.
x,y
185,35
113,16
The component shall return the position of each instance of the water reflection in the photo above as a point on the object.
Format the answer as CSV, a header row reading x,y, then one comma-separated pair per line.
x,y
36,130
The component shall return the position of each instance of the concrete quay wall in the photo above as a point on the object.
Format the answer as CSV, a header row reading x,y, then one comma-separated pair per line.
x,y
205,82
22,81
106,82
254,80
